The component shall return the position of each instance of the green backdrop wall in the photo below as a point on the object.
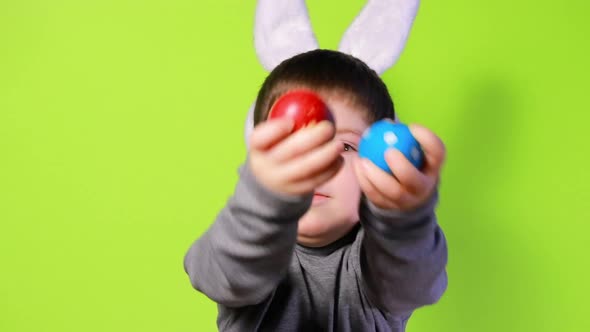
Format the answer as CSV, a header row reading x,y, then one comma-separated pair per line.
x,y
121,132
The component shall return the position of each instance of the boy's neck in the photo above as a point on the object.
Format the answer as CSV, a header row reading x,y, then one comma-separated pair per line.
x,y
326,248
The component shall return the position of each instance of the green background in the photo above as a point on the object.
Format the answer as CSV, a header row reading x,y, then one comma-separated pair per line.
x,y
121,126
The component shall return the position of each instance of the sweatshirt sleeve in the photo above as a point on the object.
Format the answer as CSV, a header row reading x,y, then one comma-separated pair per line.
x,y
403,257
244,254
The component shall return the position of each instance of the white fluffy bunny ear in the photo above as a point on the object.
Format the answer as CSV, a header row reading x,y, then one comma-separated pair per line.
x,y
282,30
379,33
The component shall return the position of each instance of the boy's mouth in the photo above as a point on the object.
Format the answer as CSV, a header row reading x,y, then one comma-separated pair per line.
x,y
319,197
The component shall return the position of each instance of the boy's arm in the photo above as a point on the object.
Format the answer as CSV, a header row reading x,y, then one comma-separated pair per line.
x,y
241,258
403,257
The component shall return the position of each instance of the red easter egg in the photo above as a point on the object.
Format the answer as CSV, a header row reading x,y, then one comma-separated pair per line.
x,y
305,108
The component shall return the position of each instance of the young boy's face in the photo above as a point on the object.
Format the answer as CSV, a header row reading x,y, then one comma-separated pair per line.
x,y
334,211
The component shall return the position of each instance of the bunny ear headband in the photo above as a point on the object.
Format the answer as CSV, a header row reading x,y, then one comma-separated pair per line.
x,y
377,36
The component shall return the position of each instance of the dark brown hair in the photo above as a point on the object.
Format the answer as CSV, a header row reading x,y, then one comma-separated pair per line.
x,y
331,72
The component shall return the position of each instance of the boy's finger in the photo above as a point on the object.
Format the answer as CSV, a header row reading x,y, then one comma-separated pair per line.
x,y
367,187
389,187
317,180
270,132
313,162
406,173
433,147
302,141
386,184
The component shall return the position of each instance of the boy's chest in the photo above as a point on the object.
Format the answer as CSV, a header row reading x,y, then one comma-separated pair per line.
x,y
322,295
321,282
317,294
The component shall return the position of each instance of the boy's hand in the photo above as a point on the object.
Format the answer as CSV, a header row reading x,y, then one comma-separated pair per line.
x,y
410,187
297,163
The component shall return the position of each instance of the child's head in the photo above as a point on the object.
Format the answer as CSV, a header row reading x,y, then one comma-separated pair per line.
x,y
357,97
329,73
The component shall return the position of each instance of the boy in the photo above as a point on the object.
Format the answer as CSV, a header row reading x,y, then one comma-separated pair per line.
x,y
313,238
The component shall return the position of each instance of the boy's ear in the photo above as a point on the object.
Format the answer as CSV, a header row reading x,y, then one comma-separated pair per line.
x,y
282,29
379,33
249,125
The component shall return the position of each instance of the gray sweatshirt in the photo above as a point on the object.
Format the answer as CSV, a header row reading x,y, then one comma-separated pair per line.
x,y
372,279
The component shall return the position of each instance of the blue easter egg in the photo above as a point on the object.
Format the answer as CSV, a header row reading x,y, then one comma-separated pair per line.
x,y
385,134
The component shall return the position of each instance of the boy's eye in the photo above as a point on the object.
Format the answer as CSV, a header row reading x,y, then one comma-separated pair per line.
x,y
348,147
